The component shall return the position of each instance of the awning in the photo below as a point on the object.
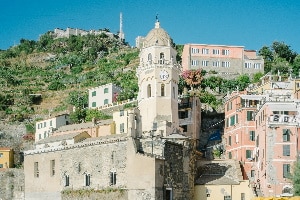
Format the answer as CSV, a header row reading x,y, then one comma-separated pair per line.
x,y
282,107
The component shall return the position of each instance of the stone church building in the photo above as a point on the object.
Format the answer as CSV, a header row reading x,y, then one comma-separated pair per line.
x,y
151,159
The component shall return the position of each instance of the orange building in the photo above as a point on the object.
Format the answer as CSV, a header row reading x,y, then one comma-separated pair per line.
x,y
6,157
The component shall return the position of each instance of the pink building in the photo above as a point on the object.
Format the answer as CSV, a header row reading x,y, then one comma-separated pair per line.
x,y
261,132
221,59
240,130
277,127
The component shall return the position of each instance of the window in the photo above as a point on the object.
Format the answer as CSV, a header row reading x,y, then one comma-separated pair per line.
x,y
286,135
94,104
195,62
252,135
216,63
236,138
93,93
67,180
205,51
51,123
216,51
105,90
149,91
149,57
242,196
227,122
195,50
286,150
229,106
257,66
183,114
162,90
286,170
227,197
184,128
52,167
45,134
122,128
40,136
161,58
87,179
248,65
225,64
229,140
113,178
225,52
105,101
1,165
1,155
229,155
248,154
252,173
204,63
121,113
249,115
45,123
174,92
36,169
232,120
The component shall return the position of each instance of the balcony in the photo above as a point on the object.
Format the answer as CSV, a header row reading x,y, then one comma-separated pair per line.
x,y
283,119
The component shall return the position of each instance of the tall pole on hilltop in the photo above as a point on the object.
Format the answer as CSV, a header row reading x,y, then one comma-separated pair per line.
x,y
121,34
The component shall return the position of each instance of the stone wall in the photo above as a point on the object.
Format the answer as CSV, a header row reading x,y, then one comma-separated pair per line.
x,y
12,184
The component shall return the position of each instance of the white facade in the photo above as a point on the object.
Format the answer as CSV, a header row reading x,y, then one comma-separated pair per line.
x,y
46,127
158,77
103,95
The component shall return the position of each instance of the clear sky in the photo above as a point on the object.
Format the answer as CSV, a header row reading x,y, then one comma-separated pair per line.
x,y
249,23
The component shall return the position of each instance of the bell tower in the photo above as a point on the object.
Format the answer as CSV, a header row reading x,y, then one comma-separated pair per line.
x,y
158,77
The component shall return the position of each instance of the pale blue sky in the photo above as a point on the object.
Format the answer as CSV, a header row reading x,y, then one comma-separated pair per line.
x,y
249,23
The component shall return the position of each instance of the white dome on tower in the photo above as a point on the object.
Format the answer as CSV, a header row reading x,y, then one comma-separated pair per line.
x,y
157,37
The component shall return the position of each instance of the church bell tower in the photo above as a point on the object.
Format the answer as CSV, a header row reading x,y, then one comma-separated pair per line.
x,y
158,78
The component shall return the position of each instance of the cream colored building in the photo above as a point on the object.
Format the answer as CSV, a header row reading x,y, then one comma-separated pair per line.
x,y
103,95
221,179
45,128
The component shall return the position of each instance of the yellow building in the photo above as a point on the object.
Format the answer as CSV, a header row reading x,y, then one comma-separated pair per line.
x,y
6,157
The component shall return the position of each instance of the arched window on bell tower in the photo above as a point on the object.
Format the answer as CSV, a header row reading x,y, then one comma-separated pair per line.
x,y
161,58
162,90
150,57
149,91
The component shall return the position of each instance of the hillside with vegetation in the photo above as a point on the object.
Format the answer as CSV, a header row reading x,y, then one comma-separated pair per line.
x,y
48,76
52,75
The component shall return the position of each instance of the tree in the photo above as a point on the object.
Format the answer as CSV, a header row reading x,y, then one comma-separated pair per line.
x,y
192,77
242,82
78,115
96,114
277,54
283,51
78,99
296,179
257,76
